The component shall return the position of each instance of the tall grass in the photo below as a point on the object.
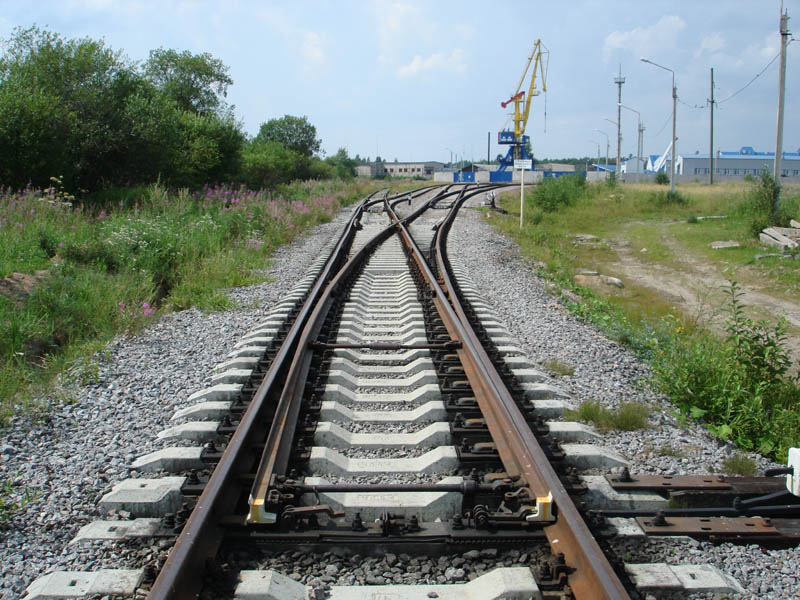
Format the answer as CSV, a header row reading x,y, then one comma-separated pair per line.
x,y
107,267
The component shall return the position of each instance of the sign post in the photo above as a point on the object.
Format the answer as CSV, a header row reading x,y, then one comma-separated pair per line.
x,y
522,165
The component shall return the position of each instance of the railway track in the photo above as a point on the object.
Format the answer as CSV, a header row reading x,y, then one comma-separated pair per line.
x,y
381,408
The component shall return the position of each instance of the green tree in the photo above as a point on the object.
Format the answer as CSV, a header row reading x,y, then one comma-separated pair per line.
x,y
197,82
344,166
294,133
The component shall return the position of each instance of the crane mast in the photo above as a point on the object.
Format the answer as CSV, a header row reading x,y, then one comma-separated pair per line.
x,y
516,139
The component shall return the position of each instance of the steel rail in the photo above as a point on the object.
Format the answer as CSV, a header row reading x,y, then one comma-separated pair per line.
x,y
592,575
278,447
181,575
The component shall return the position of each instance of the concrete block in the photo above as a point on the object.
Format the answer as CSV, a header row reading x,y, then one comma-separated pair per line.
x,y
269,331
506,583
195,431
347,366
627,528
243,362
172,460
338,393
427,506
529,375
550,409
268,585
145,497
394,358
589,456
332,435
221,391
249,350
326,460
350,336
203,410
543,391
61,585
569,431
701,578
410,382
239,376
430,411
600,495
262,340
117,530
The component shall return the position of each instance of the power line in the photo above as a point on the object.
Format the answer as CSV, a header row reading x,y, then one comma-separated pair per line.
x,y
669,117
737,92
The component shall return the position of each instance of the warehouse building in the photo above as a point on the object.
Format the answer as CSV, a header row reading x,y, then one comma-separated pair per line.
x,y
744,162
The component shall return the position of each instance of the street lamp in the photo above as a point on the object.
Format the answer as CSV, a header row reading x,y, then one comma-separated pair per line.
x,y
608,145
639,148
598,150
674,110
451,156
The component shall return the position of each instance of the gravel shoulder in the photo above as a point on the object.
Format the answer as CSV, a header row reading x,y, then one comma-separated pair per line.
x,y
607,372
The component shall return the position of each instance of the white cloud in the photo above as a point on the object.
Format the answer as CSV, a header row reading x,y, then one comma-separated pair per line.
x,y
311,47
438,61
711,44
646,40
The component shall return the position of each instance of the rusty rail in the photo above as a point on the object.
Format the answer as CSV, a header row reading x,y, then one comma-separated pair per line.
x,y
592,575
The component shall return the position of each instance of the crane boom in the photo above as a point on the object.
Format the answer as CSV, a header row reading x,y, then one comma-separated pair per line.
x,y
539,58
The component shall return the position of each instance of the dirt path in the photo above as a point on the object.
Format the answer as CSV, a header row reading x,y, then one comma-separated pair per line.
x,y
698,289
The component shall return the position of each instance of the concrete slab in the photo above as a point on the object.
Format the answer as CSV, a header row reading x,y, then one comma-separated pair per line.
x,y
250,350
528,375
569,431
627,528
393,357
145,497
261,340
701,578
427,506
589,456
550,409
506,583
543,391
215,393
430,411
243,362
348,336
117,530
61,585
239,376
328,461
172,460
412,381
203,410
600,495
330,434
347,366
424,393
268,585
195,431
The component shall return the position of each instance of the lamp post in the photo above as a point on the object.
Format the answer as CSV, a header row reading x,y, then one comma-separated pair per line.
x,y
619,139
598,149
608,145
451,156
674,108
640,130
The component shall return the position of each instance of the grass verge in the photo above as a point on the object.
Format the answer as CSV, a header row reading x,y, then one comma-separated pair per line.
x,y
737,383
94,271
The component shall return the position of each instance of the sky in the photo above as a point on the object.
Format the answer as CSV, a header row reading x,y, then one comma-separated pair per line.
x,y
423,80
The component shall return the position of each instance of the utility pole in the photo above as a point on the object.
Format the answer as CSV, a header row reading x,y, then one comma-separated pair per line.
x,y
711,143
784,30
619,80
488,147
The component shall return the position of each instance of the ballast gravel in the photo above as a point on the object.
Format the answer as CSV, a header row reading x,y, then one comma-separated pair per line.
x,y
58,463
607,372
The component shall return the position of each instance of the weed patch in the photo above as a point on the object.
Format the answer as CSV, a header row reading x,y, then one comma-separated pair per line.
x,y
739,464
559,367
628,416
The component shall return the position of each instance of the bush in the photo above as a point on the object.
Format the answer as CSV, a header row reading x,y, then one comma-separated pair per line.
x,y
741,387
552,194
661,178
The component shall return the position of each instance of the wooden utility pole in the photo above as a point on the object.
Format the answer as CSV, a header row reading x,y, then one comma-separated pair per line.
x,y
711,143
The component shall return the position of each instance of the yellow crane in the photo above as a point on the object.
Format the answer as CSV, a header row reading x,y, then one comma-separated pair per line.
x,y
516,139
